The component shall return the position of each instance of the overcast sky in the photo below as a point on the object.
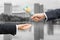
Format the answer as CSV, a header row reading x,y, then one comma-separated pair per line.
x,y
48,4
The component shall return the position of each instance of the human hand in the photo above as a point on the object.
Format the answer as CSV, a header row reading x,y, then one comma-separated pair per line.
x,y
38,17
24,26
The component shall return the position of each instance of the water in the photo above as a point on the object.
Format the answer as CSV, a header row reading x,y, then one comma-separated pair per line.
x,y
26,35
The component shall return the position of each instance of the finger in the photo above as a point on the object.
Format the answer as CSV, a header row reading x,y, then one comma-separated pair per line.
x,y
33,16
22,25
36,19
26,27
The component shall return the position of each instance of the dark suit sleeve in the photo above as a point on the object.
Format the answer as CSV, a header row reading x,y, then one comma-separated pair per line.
x,y
53,14
8,29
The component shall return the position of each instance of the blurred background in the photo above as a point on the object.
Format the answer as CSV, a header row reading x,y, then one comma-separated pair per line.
x,y
17,8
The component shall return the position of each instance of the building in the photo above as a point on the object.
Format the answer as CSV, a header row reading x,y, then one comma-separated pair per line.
x,y
8,8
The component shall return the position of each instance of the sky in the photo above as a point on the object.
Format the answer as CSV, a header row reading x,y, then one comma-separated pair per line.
x,y
48,4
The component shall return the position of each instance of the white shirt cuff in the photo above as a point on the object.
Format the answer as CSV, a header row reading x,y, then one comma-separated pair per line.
x,y
46,16
16,28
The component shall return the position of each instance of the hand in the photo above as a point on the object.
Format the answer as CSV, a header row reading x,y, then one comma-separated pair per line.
x,y
24,26
38,17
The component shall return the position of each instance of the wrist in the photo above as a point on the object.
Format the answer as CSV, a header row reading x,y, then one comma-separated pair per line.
x,y
18,27
43,15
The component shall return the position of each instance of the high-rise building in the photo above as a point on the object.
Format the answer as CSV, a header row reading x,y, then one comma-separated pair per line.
x,y
38,26
38,8
8,8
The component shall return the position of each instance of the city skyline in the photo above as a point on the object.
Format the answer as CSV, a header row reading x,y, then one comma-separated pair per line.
x,y
48,4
